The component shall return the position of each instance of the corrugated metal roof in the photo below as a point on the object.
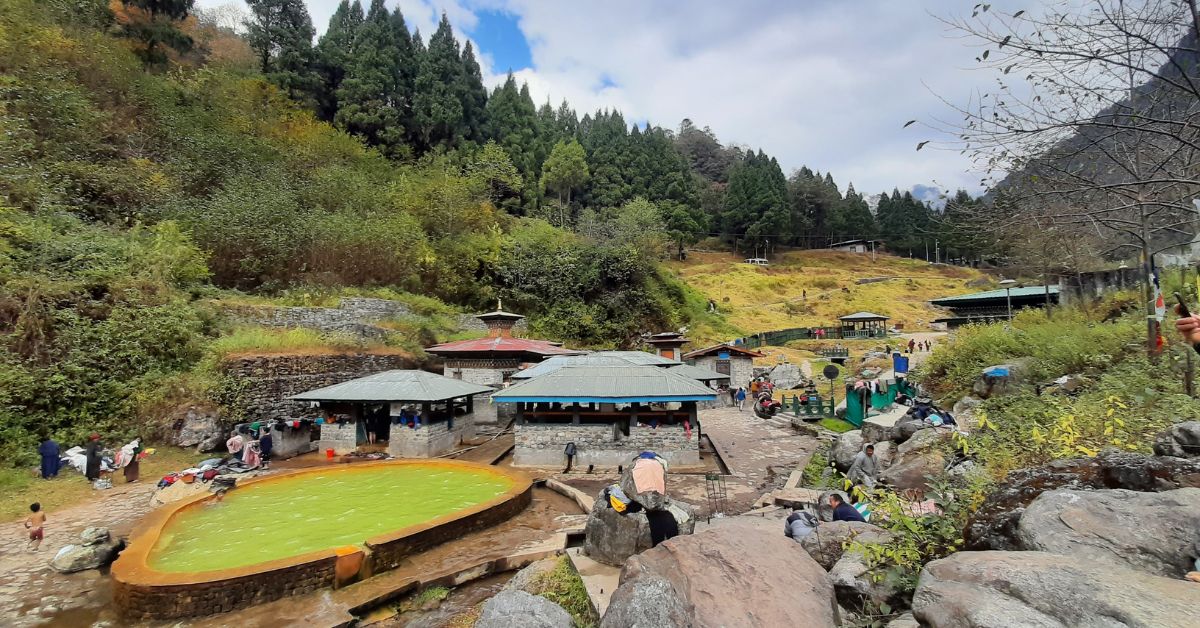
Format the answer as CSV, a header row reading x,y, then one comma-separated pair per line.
x,y
1028,291
553,364
622,384
716,349
863,316
698,373
501,345
395,386
640,357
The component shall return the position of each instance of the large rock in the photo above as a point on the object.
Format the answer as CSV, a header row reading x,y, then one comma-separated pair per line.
x,y
845,448
827,544
733,575
518,608
855,587
1001,379
72,558
199,427
1040,590
917,459
923,440
1153,532
786,376
612,537
875,433
651,500
94,536
994,524
1181,440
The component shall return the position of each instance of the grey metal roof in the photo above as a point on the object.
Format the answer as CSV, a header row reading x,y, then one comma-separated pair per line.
x,y
863,316
698,373
640,357
1028,291
395,386
626,383
553,364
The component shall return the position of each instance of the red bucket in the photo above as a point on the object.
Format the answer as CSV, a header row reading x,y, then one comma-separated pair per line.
x,y
329,454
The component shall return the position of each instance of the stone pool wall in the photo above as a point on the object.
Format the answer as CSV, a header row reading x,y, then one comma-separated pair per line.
x,y
542,445
142,593
148,601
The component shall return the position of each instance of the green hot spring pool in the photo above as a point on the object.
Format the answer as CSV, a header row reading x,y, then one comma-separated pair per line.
x,y
284,517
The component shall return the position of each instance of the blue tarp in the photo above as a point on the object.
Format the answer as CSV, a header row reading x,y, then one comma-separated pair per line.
x,y
899,363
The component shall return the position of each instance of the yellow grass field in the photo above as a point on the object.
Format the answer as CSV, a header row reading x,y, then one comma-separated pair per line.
x,y
757,299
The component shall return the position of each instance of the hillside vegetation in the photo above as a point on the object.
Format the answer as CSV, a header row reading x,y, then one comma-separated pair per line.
x,y
756,299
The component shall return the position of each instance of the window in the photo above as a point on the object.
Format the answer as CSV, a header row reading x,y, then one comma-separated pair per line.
x,y
723,367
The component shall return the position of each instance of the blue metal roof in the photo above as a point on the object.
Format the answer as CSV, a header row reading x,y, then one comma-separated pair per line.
x,y
607,384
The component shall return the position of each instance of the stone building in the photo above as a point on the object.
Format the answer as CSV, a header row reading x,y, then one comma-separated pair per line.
x,y
735,362
610,413
382,403
491,361
667,344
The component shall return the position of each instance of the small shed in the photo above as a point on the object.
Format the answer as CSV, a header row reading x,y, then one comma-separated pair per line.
x,y
864,325
416,413
857,246
736,363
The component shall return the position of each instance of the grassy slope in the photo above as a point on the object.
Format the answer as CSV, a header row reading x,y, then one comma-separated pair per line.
x,y
758,299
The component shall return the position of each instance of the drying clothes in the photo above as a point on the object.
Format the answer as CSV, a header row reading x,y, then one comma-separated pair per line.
x,y
235,444
662,526
252,458
649,475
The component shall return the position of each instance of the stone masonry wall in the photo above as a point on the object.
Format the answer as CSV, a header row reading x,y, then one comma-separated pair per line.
x,y
430,439
342,438
486,412
221,596
259,385
542,445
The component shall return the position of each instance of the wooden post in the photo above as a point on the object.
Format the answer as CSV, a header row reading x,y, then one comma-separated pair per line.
x,y
521,413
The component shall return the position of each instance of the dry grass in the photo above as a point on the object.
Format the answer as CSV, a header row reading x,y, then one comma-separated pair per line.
x,y
21,487
764,299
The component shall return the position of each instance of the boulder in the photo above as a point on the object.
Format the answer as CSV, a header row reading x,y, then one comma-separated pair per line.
x,y
876,433
518,608
906,427
1065,385
72,558
994,525
1151,532
94,536
914,471
857,588
965,407
845,448
827,544
1001,379
733,575
904,621
923,440
612,537
651,500
786,376
1037,589
199,427
885,454
1181,440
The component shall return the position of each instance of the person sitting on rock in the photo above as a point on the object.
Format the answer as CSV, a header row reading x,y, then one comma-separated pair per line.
x,y
865,468
843,511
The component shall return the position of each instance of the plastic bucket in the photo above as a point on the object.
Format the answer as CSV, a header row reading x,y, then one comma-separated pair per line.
x,y
329,453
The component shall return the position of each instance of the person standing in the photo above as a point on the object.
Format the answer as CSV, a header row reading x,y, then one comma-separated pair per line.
x,y
266,444
92,454
741,398
36,524
133,465
912,344
51,457
733,396
570,452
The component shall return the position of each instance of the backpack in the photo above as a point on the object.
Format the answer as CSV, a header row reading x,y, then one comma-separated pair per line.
x,y
570,450
617,499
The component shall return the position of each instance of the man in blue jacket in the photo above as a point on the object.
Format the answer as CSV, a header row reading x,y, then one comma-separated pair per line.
x,y
843,511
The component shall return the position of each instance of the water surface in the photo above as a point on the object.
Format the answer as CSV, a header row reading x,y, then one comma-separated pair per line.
x,y
314,511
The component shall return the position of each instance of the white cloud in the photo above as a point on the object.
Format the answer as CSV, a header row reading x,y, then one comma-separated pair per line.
x,y
825,84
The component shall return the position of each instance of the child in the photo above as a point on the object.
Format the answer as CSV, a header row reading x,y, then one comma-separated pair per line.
x,y
35,524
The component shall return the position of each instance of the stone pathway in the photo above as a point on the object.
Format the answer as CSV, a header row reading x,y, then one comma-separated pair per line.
x,y
31,593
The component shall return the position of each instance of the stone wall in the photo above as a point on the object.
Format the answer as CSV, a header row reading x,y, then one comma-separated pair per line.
x,y
431,439
258,386
542,445
342,437
741,370
143,602
486,412
288,442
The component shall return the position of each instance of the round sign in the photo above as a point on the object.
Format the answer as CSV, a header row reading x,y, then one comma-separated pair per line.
x,y
830,372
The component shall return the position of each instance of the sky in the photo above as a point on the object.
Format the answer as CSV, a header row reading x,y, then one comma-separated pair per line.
x,y
826,84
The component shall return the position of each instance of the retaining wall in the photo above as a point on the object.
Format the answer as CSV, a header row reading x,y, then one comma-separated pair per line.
x,y
431,439
259,385
542,445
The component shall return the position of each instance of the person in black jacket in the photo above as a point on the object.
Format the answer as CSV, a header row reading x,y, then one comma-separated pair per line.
x,y
843,511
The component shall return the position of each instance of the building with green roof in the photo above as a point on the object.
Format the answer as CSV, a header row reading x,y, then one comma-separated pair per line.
x,y
992,305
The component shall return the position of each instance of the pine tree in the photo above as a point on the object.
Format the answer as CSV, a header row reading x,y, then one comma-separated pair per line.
x,y
438,115
512,123
366,105
406,69
473,95
608,153
565,171
156,24
333,55
281,32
